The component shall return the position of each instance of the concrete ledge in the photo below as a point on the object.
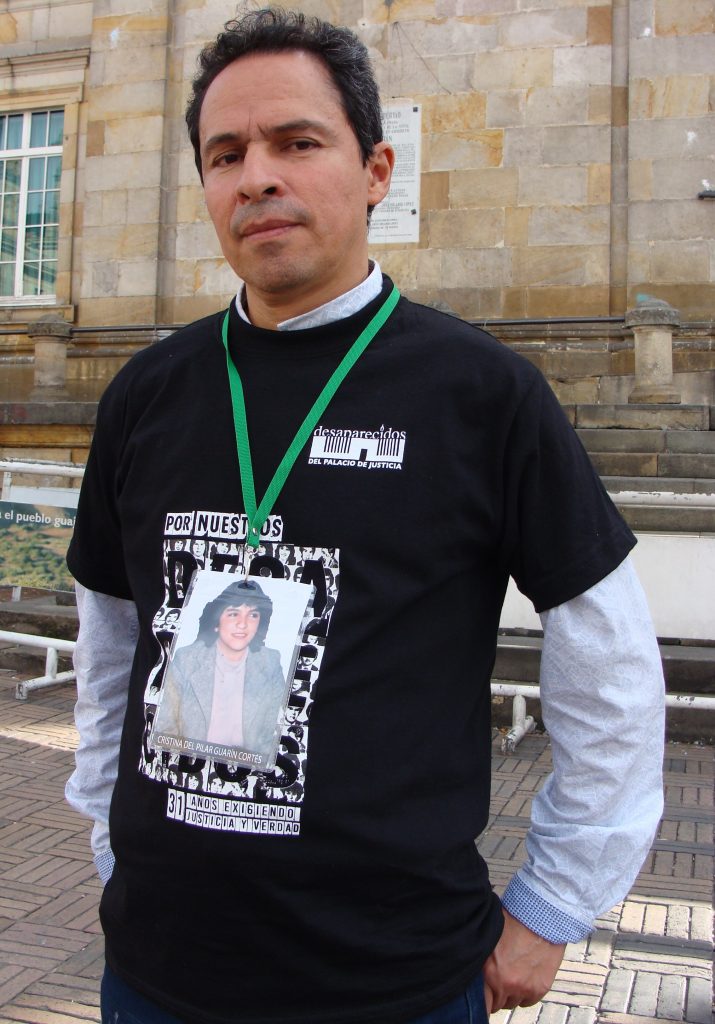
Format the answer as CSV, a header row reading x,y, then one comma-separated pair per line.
x,y
702,466
678,485
603,439
652,519
688,668
698,442
642,464
675,442
644,417
48,413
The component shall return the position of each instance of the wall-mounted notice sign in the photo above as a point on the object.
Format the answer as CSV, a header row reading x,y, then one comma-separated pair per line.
x,y
397,218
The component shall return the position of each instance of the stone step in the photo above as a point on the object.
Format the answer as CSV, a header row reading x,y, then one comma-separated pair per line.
x,y
687,669
674,485
699,442
40,617
611,439
657,519
642,417
687,465
642,464
654,464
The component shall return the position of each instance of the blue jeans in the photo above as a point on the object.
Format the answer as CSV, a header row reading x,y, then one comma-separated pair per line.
x,y
123,1005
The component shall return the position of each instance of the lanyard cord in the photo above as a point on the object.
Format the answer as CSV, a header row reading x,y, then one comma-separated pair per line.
x,y
257,515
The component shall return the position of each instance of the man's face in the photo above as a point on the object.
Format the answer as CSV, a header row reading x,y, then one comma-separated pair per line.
x,y
284,179
236,628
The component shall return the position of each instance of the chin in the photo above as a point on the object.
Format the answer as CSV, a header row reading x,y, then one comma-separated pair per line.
x,y
285,272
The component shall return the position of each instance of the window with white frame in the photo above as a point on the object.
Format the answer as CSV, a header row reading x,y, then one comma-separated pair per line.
x,y
30,169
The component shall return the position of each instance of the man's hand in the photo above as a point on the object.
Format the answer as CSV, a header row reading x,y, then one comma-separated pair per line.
x,y
522,968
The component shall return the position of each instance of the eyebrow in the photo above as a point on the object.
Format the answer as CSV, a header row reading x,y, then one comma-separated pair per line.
x,y
302,124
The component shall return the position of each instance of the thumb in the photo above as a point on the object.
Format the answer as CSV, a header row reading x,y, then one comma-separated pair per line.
x,y
488,998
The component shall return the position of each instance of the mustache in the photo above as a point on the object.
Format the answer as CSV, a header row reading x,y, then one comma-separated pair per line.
x,y
267,209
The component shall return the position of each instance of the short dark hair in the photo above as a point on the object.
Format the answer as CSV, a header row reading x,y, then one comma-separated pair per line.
x,y
245,592
273,30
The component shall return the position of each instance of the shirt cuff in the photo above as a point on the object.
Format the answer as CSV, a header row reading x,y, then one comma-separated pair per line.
x,y
541,917
104,862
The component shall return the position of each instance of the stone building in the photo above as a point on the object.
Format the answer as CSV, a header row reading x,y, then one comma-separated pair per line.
x,y
564,144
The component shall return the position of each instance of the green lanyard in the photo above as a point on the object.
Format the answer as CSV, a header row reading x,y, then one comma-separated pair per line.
x,y
257,515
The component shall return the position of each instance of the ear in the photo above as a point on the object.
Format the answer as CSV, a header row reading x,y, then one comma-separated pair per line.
x,y
379,166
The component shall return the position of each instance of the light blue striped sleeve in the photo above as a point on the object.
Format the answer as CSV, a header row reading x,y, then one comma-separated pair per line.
x,y
602,699
108,630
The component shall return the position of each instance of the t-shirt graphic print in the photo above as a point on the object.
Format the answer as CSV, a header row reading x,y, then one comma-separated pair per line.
x,y
208,792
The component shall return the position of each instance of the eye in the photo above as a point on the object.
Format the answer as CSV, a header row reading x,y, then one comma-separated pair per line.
x,y
226,159
302,145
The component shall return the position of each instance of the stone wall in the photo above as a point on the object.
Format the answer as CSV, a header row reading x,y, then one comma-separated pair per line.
x,y
671,147
564,144
125,144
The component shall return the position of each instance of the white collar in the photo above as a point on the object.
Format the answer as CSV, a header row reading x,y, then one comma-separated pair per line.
x,y
337,309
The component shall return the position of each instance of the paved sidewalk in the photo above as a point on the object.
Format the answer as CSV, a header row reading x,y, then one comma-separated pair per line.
x,y
650,958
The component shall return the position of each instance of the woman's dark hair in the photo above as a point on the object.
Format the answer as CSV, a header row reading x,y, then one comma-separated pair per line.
x,y
273,30
243,592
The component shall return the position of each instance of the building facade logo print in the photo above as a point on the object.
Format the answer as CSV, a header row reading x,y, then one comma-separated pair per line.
x,y
360,449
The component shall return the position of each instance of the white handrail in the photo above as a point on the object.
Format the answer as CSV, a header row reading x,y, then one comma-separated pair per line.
x,y
502,688
31,640
674,499
51,677
42,468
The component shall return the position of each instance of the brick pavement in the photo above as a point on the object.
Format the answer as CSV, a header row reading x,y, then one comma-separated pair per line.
x,y
649,958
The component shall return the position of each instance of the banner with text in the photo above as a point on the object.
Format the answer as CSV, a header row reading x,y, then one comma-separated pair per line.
x,y
33,544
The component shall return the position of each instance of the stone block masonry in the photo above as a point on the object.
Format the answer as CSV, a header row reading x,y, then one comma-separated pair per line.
x,y
564,143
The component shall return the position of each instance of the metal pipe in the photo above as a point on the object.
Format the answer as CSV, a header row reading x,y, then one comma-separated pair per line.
x,y
42,468
23,687
30,640
51,663
658,498
499,687
521,726
698,702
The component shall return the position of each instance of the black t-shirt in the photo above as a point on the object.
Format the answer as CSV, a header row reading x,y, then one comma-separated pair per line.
x,y
345,886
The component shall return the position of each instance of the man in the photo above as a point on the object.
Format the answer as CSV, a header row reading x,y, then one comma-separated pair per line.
x,y
364,898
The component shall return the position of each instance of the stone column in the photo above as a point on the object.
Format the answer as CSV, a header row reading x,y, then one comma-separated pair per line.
x,y
51,336
652,323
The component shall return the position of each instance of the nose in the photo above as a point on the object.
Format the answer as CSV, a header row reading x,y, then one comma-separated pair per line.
x,y
259,177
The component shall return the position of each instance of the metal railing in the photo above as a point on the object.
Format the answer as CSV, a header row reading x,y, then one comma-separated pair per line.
x,y
521,723
52,648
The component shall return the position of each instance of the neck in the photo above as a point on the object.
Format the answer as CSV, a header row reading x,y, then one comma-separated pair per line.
x,y
229,654
267,310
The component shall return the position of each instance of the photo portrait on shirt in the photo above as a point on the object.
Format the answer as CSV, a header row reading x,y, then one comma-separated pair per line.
x,y
225,687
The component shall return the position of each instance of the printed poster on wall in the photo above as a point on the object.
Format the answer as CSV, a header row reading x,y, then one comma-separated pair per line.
x,y
397,218
33,544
